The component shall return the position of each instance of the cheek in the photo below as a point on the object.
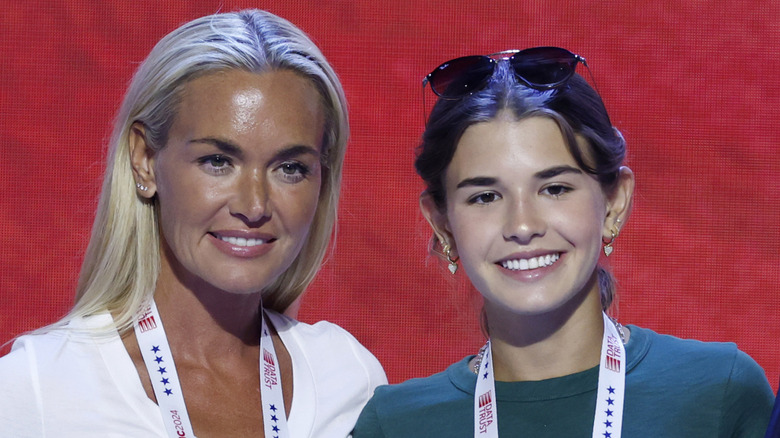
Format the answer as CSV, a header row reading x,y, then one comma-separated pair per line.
x,y
300,207
473,235
583,223
186,206
188,195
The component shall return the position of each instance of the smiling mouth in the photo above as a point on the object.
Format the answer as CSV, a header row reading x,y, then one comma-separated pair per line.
x,y
532,263
241,241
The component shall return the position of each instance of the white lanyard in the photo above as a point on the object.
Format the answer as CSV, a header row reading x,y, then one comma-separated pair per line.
x,y
165,380
608,419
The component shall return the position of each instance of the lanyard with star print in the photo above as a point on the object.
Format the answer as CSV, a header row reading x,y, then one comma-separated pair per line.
x,y
608,419
165,380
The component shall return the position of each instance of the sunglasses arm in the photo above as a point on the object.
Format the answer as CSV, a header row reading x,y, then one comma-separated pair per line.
x,y
425,115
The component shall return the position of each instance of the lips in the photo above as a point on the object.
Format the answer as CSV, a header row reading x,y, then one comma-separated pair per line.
x,y
526,264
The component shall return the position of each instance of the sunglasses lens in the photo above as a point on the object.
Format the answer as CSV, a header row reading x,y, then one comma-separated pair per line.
x,y
544,67
461,76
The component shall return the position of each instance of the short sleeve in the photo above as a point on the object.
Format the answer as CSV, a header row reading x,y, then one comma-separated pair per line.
x,y
374,370
20,405
747,400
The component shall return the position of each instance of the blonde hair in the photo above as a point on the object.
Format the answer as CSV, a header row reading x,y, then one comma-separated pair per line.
x,y
122,261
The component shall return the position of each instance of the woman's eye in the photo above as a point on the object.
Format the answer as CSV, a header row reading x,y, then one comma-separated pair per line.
x,y
556,190
293,171
215,163
484,198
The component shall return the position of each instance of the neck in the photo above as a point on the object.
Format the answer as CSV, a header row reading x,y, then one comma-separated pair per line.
x,y
203,322
543,346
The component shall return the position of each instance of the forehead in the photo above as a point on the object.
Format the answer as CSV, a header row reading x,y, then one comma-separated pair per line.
x,y
239,103
508,146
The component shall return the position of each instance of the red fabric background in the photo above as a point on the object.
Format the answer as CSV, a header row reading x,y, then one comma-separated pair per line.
x,y
692,85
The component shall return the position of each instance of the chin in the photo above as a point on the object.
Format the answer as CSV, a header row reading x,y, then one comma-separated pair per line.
x,y
242,290
533,309
243,279
240,286
529,306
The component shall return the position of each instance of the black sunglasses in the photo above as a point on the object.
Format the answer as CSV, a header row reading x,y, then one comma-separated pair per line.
x,y
541,68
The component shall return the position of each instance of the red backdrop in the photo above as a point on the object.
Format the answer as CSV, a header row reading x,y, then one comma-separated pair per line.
x,y
692,85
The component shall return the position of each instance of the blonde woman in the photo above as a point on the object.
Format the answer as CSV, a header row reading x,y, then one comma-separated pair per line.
x,y
218,203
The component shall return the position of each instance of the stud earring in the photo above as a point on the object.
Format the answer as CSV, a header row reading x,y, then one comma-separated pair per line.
x,y
141,187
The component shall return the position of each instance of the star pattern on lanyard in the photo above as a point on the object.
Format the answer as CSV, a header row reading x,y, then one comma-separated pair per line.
x,y
608,424
161,369
275,419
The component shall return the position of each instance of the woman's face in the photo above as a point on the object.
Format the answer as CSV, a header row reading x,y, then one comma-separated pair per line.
x,y
239,179
525,220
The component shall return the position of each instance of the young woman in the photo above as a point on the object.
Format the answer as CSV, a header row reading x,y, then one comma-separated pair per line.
x,y
217,207
525,190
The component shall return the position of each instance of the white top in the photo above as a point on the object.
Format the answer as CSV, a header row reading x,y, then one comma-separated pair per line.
x,y
66,384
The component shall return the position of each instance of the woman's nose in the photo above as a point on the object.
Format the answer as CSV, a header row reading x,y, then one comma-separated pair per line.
x,y
523,221
251,200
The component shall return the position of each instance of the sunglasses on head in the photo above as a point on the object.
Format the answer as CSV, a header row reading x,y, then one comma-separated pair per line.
x,y
541,68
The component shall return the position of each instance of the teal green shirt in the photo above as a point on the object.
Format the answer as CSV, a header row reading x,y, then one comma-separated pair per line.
x,y
674,388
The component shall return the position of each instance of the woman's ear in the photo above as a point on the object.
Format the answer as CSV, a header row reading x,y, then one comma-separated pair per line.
x,y
142,160
438,221
619,204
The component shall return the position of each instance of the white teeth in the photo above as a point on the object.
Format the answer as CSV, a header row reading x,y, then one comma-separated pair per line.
x,y
532,263
241,241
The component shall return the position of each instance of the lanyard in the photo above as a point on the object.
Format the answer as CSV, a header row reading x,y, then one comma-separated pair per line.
x,y
608,418
165,380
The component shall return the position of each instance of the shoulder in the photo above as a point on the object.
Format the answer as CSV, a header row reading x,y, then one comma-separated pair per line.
x,y
712,383
49,370
334,376
328,351
645,345
20,413
425,391
709,363
322,330
395,410
722,362
322,340
52,345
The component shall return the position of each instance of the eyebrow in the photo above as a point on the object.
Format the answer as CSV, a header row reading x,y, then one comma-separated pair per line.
x,y
233,149
478,181
297,150
552,172
223,145
555,171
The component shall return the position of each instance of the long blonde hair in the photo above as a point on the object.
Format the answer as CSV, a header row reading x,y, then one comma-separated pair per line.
x,y
122,260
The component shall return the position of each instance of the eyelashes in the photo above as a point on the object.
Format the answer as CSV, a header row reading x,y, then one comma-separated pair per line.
x,y
554,190
293,171
290,171
484,198
216,164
